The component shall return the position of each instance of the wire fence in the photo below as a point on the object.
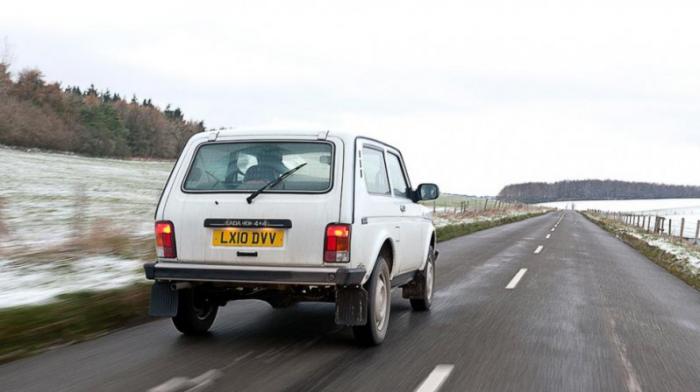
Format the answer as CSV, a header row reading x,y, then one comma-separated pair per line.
x,y
673,227
471,205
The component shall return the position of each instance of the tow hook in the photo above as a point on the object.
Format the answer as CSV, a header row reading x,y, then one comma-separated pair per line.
x,y
180,286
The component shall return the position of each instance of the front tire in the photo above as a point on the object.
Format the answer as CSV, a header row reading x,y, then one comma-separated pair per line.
x,y
427,281
378,306
195,312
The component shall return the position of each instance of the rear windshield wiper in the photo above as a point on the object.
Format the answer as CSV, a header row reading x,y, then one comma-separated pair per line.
x,y
272,183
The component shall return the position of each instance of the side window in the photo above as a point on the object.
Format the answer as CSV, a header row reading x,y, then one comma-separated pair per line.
x,y
375,171
396,174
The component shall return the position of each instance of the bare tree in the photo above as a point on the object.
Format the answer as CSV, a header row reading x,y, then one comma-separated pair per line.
x,y
7,55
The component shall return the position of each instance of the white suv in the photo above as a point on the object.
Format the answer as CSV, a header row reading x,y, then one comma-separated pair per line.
x,y
287,218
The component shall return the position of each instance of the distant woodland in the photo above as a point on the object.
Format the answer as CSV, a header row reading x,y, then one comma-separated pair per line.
x,y
541,192
35,113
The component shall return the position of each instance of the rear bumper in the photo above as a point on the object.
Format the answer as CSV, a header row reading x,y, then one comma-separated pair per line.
x,y
322,276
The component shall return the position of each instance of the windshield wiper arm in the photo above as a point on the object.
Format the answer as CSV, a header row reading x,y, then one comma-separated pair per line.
x,y
272,183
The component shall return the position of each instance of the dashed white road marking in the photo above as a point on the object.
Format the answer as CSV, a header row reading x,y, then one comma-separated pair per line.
x,y
554,228
435,379
198,383
539,249
548,236
559,221
516,279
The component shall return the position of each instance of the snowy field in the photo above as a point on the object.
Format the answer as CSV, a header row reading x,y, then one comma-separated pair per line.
x,y
673,209
52,204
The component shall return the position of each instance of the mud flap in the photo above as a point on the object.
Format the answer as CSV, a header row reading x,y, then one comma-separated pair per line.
x,y
351,305
415,289
163,300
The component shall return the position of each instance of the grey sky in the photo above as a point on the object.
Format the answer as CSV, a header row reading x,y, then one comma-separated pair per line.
x,y
477,94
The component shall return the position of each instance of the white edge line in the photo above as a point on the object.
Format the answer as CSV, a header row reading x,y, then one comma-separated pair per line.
x,y
516,279
539,249
435,379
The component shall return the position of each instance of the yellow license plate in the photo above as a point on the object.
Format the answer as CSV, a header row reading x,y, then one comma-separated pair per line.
x,y
257,238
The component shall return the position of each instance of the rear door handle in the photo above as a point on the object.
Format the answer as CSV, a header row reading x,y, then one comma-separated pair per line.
x,y
403,208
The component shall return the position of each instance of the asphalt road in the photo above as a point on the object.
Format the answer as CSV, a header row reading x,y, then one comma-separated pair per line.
x,y
588,314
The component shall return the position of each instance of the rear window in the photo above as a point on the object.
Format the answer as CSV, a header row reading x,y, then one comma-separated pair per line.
x,y
247,166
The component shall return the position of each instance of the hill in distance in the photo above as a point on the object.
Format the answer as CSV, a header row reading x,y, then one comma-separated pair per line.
x,y
542,192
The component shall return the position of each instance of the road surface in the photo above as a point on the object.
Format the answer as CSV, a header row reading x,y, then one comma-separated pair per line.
x,y
552,303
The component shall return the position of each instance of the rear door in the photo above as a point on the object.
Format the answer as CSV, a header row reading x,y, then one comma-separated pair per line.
x,y
214,223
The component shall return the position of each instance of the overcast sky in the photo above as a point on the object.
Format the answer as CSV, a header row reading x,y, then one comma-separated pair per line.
x,y
477,94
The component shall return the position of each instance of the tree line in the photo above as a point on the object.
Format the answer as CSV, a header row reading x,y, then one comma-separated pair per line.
x,y
541,192
38,114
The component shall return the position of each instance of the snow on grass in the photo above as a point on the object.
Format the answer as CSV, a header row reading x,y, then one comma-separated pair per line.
x,y
31,283
682,251
687,252
441,219
48,197
71,223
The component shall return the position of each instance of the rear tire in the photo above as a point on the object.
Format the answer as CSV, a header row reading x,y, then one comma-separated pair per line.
x,y
378,306
427,281
195,312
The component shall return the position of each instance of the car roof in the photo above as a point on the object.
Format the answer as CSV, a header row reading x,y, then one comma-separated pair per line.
x,y
346,136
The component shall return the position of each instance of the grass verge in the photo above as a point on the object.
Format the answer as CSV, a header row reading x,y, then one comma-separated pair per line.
x,y
666,260
71,318
449,232
82,316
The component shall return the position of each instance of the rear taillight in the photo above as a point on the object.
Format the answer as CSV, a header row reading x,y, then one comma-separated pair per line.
x,y
337,245
165,240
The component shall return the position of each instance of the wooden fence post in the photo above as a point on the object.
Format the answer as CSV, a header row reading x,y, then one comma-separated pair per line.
x,y
680,235
697,232
486,203
669,227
